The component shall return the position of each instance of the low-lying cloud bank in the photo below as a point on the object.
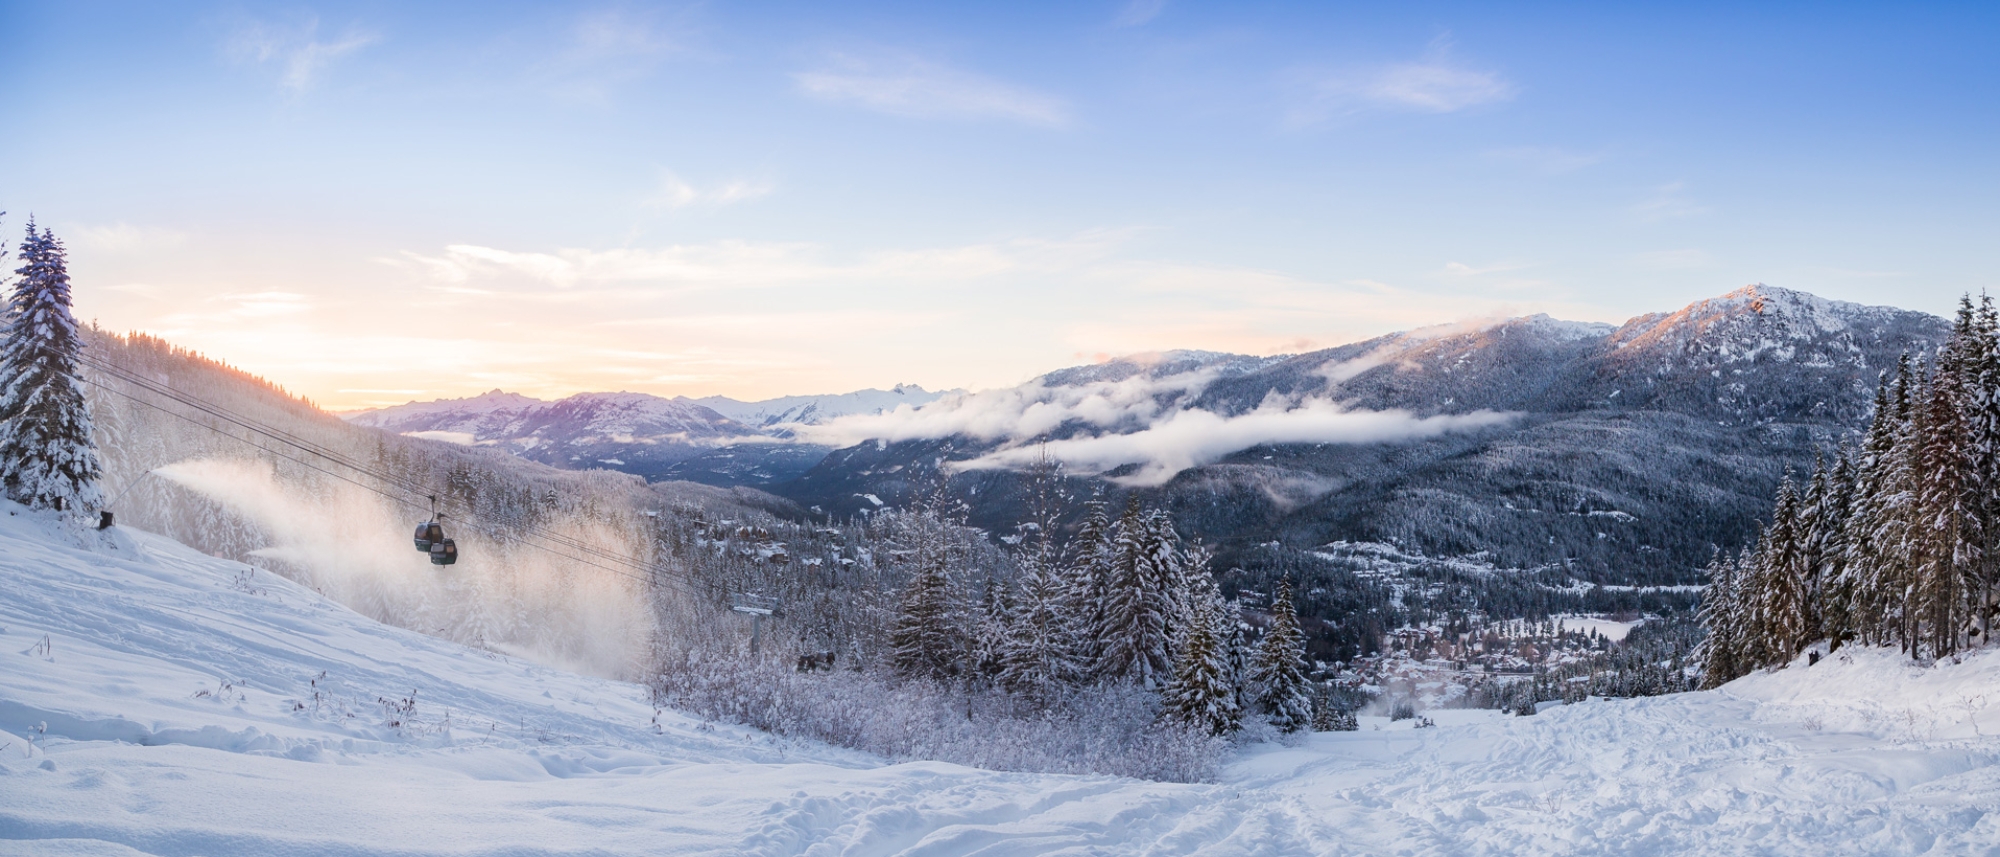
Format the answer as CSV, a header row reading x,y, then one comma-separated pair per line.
x,y
1140,420
1021,413
1193,438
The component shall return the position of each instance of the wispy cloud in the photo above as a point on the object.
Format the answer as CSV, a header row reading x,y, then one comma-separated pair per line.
x,y
1546,159
618,35
1854,274
126,238
1138,13
746,263
605,48
1460,269
675,192
1253,311
912,87
1674,260
297,52
1434,83
1667,202
239,307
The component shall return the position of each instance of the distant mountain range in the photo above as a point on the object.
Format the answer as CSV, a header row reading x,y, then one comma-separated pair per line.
x,y
1622,454
715,440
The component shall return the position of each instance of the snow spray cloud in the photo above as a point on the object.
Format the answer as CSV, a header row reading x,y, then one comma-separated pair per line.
x,y
354,547
1191,438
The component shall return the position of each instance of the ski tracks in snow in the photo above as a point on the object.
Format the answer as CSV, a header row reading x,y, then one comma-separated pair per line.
x,y
968,812
1689,774
156,701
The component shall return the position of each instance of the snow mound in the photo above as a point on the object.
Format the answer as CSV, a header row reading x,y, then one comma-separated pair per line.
x,y
1882,693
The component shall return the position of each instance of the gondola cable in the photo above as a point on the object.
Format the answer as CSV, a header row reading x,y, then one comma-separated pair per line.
x,y
315,449
654,575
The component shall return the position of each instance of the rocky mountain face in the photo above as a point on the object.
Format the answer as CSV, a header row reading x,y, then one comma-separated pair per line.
x,y
1628,454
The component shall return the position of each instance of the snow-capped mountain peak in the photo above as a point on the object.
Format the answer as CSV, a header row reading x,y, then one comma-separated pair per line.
x,y
813,410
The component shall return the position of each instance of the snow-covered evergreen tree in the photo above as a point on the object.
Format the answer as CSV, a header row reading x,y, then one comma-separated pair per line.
x,y
1091,556
1896,512
925,641
1833,593
1042,642
991,625
1814,529
1201,693
1981,369
1868,592
1944,545
1284,695
1781,584
1138,610
47,457
1892,543
1168,569
1721,654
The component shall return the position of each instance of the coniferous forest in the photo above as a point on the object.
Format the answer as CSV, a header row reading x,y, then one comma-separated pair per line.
x,y
1894,539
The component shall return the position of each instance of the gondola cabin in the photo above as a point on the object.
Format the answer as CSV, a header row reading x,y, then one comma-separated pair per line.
x,y
429,533
444,552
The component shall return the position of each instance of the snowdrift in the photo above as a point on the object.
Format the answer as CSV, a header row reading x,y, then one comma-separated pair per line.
x,y
154,700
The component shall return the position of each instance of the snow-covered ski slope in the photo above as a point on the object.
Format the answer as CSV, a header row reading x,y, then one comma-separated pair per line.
x,y
158,701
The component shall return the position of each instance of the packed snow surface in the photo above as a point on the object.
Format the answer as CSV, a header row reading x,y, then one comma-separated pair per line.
x,y
157,701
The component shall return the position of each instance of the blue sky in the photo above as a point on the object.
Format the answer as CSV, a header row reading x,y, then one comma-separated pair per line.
x,y
380,201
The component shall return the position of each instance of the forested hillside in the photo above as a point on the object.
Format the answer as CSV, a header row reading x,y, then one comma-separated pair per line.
x,y
731,603
1626,456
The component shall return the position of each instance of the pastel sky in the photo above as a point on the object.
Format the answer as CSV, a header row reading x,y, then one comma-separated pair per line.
x,y
377,202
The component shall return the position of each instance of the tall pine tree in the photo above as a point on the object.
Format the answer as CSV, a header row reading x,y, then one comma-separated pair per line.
x,y
1202,693
1721,654
1040,653
47,458
1138,609
1284,694
1982,371
1781,581
926,639
1091,556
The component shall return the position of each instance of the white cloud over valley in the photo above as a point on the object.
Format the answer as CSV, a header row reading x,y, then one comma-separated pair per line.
x,y
1192,438
1138,420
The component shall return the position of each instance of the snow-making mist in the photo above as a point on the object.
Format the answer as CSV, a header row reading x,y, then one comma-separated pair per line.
x,y
504,598
555,566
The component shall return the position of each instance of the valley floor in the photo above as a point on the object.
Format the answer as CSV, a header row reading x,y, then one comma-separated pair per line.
x,y
157,701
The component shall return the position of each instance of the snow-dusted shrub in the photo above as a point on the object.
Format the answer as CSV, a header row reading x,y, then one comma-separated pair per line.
x,y
1104,729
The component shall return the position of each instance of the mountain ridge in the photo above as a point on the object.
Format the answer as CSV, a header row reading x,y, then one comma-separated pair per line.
x,y
714,439
1680,420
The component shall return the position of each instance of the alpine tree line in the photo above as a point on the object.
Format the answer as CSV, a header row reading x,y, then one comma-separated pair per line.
x,y
1124,601
1896,541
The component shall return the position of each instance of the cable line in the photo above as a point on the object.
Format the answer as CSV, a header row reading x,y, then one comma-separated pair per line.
x,y
654,574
